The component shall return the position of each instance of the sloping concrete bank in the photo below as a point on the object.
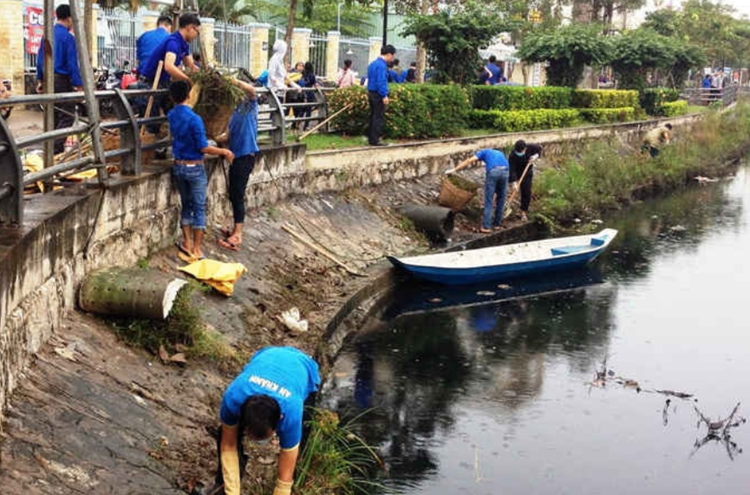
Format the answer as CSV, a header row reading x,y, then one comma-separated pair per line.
x,y
79,229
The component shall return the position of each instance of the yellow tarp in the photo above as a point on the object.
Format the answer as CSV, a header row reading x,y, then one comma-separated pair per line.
x,y
221,276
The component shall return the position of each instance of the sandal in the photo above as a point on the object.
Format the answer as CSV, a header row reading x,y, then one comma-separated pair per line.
x,y
484,231
182,249
227,244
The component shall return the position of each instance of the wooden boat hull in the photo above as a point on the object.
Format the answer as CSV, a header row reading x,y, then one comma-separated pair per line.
x,y
501,262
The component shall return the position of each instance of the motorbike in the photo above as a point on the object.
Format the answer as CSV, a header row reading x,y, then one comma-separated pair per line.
x,y
107,79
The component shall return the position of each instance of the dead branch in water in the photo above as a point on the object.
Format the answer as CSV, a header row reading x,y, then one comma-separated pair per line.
x,y
719,431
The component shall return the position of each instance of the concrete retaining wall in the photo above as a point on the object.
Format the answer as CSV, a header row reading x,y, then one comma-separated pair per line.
x,y
73,231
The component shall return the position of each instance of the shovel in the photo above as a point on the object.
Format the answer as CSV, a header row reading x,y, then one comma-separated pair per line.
x,y
508,209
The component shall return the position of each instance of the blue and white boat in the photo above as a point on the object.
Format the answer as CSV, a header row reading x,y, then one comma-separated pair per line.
x,y
508,261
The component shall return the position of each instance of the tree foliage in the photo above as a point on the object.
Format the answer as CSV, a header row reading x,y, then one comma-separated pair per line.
x,y
640,52
321,16
567,50
453,39
723,39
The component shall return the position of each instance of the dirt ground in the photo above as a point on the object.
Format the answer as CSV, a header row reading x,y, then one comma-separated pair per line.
x,y
93,415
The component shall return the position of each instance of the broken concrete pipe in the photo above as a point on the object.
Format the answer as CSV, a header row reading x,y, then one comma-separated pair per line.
x,y
129,292
434,221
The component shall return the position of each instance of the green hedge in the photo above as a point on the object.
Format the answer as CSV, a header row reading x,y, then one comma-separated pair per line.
x,y
519,97
530,120
604,98
415,110
608,115
482,119
674,108
652,99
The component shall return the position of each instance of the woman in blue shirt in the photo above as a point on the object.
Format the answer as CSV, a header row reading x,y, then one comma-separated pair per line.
x,y
243,141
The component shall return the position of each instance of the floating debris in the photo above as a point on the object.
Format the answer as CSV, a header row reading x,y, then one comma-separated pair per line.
x,y
677,229
704,180
435,300
503,286
487,293
597,221
679,395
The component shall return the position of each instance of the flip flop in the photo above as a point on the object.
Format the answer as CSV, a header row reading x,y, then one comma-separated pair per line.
x,y
182,249
228,245
185,257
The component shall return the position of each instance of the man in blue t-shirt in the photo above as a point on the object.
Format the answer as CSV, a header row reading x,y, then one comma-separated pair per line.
x,y
495,184
243,141
67,73
174,51
189,144
267,398
494,70
377,93
150,40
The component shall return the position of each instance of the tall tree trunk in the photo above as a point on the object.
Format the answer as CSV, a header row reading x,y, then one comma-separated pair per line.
x,y
290,29
424,9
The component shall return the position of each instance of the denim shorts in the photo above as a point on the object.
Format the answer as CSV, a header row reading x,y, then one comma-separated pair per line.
x,y
192,182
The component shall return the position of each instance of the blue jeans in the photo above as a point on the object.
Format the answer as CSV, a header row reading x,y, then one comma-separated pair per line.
x,y
495,183
192,184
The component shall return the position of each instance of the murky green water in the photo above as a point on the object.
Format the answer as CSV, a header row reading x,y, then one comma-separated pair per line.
x,y
498,397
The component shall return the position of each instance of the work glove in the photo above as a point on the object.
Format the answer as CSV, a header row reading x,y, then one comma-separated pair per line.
x,y
450,171
283,488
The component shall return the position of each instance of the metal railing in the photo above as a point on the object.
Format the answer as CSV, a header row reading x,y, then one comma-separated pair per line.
x,y
706,96
275,118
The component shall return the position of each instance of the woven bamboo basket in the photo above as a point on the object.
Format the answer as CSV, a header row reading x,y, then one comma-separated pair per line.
x,y
454,197
218,123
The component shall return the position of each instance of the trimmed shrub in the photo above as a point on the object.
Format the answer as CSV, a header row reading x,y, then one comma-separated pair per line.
x,y
519,97
529,120
608,115
415,110
482,119
652,99
604,98
674,108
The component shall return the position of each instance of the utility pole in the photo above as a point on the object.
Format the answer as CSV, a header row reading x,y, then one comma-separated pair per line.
x,y
49,78
385,22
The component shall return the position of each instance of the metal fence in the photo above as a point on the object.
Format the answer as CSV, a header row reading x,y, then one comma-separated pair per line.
x,y
358,51
116,44
318,47
232,48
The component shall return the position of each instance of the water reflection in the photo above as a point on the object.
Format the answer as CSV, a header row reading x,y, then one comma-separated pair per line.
x,y
486,389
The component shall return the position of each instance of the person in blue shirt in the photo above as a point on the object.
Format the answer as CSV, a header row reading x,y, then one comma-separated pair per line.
x,y
377,93
494,70
189,144
67,72
267,398
174,50
243,142
150,40
495,185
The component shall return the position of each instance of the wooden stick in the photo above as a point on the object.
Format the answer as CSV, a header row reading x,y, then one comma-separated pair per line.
x,y
322,123
508,208
154,87
312,246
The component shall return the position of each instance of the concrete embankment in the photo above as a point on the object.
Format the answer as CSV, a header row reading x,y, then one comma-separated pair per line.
x,y
90,413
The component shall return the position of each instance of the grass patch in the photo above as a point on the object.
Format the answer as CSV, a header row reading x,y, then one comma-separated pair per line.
x,y
318,142
182,331
697,109
334,459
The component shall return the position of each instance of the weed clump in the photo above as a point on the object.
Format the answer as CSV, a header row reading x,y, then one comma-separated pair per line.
x,y
604,175
334,459
182,331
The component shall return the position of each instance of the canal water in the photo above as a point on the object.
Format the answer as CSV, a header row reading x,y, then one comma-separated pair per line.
x,y
493,390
